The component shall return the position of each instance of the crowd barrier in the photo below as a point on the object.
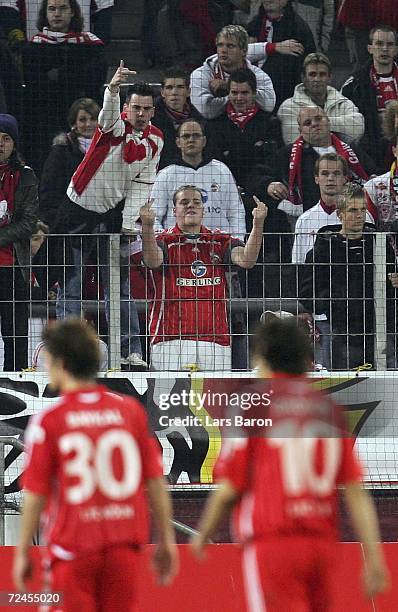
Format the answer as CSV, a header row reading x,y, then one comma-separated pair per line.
x,y
112,281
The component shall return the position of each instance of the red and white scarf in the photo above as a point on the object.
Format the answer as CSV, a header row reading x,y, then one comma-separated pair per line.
x,y
295,181
327,209
9,180
134,149
382,94
57,38
267,28
241,119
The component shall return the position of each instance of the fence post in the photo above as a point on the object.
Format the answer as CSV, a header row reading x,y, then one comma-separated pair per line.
x,y
114,301
380,300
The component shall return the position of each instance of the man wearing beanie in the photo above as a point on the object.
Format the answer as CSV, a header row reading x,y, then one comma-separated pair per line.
x,y
18,217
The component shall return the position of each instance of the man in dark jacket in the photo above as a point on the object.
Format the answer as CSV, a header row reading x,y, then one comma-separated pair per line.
x,y
241,136
372,88
171,109
291,178
275,23
339,275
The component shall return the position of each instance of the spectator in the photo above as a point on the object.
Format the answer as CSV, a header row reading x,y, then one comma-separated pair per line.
x,y
209,83
187,30
223,205
120,166
61,63
171,109
342,281
189,323
382,197
10,22
345,119
389,127
277,23
67,152
373,87
18,209
331,174
359,17
241,136
292,182
319,16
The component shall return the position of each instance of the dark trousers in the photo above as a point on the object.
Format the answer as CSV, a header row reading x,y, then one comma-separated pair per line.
x,y
14,318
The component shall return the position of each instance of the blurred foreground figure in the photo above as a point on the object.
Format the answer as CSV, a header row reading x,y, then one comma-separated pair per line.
x,y
89,459
282,481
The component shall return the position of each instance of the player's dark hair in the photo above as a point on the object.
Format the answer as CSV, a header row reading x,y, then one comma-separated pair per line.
x,y
76,23
333,157
284,345
200,124
175,73
75,343
139,89
243,75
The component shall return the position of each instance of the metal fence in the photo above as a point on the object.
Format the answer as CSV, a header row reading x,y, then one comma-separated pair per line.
x,y
346,300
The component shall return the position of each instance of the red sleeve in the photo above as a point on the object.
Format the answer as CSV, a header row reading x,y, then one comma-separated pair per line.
x,y
233,463
152,465
351,469
40,457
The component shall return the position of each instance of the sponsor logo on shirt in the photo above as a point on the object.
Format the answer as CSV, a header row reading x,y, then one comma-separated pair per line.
x,y
198,268
198,282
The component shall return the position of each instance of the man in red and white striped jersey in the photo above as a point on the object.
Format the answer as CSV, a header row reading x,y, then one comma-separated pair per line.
x,y
189,316
282,480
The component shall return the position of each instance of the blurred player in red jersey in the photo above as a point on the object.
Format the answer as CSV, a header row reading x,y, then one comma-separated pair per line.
x,y
284,488
89,460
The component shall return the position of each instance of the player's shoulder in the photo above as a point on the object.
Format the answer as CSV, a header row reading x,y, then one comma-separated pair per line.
x,y
155,131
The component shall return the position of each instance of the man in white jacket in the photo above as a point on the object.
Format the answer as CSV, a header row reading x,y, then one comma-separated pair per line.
x,y
345,118
209,83
223,206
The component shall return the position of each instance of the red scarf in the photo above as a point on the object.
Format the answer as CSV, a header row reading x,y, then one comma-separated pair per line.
x,y
9,180
267,28
57,38
134,150
328,209
241,119
178,117
375,80
295,181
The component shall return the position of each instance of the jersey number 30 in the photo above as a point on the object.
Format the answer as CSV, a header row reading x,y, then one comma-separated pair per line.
x,y
92,465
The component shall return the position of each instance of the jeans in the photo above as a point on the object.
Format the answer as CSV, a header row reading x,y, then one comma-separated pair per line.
x,y
70,292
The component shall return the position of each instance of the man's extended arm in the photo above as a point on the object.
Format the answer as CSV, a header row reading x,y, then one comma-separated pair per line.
x,y
165,559
109,117
246,257
364,519
152,254
32,508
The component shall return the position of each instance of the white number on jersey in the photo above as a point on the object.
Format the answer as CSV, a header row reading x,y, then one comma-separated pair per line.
x,y
92,465
297,457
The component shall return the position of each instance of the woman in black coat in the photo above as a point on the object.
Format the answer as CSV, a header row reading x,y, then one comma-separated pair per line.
x,y
18,217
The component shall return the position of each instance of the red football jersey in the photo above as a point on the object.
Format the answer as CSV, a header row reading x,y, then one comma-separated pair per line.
x,y
288,475
91,454
190,289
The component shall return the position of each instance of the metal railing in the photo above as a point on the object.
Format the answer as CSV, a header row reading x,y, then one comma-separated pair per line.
x,y
6,505
105,286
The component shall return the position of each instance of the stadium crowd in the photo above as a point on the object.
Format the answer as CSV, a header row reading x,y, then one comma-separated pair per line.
x,y
245,143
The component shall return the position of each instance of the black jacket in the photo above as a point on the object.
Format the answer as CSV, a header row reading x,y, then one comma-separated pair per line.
x,y
245,151
23,221
358,88
64,158
339,274
285,70
279,171
164,122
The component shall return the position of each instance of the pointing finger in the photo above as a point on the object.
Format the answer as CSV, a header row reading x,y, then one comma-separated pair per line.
x,y
121,64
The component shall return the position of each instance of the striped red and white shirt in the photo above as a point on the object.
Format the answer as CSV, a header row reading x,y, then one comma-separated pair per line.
x,y
104,178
